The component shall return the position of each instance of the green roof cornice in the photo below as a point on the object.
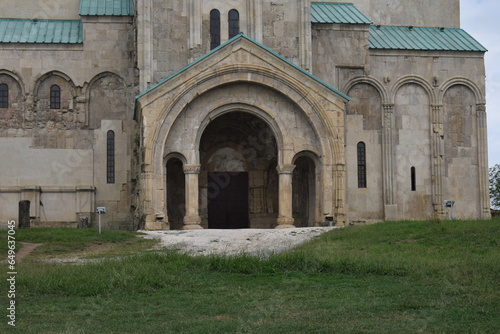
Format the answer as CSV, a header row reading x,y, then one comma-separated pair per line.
x,y
333,12
422,38
41,31
107,8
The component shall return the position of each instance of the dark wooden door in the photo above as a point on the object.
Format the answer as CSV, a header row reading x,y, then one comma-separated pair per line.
x,y
228,205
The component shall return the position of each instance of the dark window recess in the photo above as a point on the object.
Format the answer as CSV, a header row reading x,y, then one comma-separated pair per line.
x,y
234,23
361,165
55,97
413,179
4,96
110,161
214,29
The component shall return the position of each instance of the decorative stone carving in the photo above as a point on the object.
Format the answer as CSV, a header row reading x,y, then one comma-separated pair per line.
x,y
191,169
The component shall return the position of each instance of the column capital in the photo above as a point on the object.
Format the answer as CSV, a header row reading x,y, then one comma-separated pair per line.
x,y
191,168
285,169
388,107
481,107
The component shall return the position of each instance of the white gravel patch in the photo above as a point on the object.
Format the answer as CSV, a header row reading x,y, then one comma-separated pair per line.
x,y
260,242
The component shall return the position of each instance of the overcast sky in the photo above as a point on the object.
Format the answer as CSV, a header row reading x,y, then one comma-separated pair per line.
x,y
479,18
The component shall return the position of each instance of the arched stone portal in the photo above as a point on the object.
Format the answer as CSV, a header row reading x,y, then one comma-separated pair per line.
x,y
238,176
241,111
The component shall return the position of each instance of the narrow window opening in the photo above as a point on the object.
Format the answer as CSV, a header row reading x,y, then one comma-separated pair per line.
x,y
361,165
234,23
55,97
110,161
4,96
413,179
214,28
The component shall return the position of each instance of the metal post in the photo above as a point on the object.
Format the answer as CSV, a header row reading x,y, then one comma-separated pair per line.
x,y
100,209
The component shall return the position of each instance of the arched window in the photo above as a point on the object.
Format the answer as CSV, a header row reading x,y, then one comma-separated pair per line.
x,y
361,165
214,28
55,97
4,96
413,179
234,23
110,157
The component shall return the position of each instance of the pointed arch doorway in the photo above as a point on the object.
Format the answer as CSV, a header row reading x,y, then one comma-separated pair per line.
x,y
238,176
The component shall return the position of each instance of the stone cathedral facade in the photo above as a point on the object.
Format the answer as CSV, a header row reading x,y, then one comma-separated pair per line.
x,y
187,114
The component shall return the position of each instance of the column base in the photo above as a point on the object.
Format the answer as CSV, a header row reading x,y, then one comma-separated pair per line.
x,y
192,223
391,212
285,222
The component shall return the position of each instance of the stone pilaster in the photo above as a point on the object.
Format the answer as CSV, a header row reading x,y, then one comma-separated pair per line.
x,y
195,27
339,178
146,184
255,25
390,206
192,219
437,156
482,143
144,43
305,52
285,218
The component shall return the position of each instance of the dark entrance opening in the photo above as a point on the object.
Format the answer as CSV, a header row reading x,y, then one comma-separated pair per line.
x,y
176,193
227,200
304,192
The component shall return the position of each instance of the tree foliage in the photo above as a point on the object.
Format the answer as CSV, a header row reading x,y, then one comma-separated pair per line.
x,y
495,186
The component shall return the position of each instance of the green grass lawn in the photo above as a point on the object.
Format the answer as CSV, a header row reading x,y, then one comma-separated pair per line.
x,y
393,277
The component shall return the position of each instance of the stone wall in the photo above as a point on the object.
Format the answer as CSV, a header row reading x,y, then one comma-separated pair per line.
x,y
41,9
60,152
364,121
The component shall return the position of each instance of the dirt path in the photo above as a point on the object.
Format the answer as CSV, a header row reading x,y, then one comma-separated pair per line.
x,y
25,250
261,242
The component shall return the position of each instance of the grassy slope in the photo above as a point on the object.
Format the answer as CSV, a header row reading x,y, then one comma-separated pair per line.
x,y
77,243
401,277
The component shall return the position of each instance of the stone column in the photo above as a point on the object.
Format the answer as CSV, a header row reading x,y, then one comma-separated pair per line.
x,y
390,206
437,151
483,161
285,217
192,219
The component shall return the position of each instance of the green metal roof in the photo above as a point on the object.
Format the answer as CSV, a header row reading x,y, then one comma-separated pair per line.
x,y
107,7
422,38
41,31
328,12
